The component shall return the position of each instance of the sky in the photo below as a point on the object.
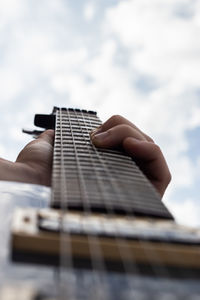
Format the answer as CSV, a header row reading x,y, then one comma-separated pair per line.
x,y
137,58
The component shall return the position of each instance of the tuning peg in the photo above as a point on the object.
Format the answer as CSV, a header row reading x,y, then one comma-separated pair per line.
x,y
34,133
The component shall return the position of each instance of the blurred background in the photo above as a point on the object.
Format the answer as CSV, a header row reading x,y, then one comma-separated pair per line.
x,y
137,58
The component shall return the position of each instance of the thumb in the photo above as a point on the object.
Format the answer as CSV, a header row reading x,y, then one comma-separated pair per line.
x,y
47,136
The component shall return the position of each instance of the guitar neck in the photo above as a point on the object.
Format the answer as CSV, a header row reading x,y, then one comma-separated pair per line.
x,y
85,178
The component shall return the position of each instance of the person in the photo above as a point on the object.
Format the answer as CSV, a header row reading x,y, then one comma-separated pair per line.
x,y
34,162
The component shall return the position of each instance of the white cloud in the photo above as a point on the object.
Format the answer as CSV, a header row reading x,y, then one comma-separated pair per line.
x,y
2,151
89,11
187,212
162,44
11,84
11,10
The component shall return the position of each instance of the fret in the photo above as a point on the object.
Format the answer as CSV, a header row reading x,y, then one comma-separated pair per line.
x,y
80,120
82,153
93,194
97,206
114,155
73,121
80,142
69,136
114,164
122,182
90,175
76,132
82,147
122,174
126,198
76,127
121,178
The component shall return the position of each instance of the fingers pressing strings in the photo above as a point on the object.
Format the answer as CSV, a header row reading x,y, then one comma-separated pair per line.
x,y
113,132
119,120
151,161
114,136
118,132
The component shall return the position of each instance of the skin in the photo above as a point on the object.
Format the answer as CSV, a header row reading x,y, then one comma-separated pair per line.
x,y
34,162
118,132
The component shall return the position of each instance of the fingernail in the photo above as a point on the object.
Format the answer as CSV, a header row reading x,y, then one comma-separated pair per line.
x,y
100,136
96,131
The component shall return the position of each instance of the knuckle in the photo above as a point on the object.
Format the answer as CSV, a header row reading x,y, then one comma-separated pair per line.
x,y
168,177
156,149
121,128
149,139
125,128
116,119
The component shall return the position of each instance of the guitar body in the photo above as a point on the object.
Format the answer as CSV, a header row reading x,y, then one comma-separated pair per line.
x,y
45,280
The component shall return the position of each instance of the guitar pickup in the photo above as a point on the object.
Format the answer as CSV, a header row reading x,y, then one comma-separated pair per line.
x,y
37,236
34,133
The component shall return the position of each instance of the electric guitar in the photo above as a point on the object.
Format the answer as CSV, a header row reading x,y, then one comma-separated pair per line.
x,y
100,232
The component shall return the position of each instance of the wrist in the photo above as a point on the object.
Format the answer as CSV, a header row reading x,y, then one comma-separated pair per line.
x,y
19,172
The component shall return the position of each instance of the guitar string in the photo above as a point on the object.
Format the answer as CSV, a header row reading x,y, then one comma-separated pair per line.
x,y
121,245
65,239
120,241
88,145
92,241
161,243
63,244
175,256
95,236
116,189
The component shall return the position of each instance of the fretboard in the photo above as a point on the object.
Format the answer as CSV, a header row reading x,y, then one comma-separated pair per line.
x,y
101,180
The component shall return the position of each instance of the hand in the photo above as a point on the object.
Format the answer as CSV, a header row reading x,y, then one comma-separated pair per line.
x,y
119,132
33,164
